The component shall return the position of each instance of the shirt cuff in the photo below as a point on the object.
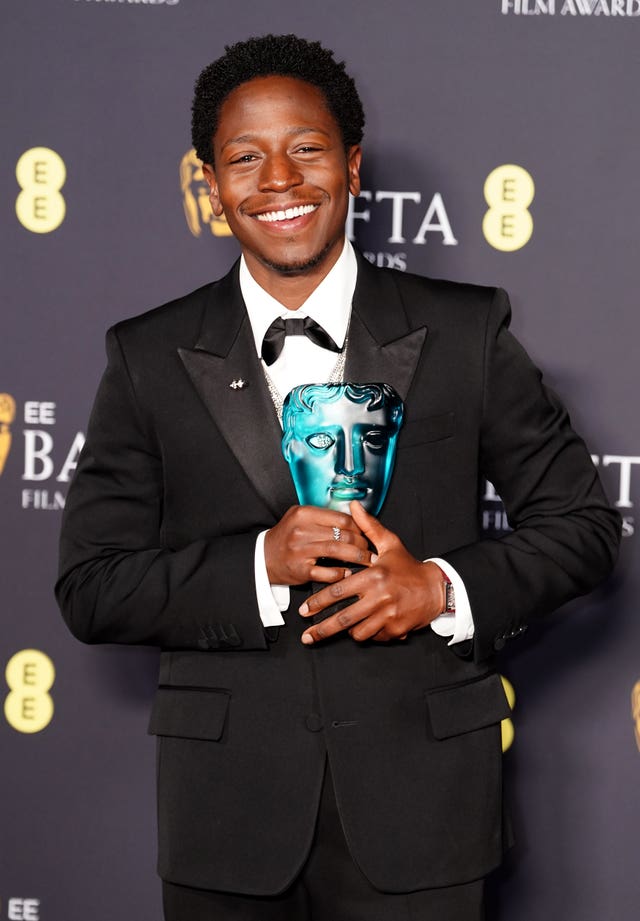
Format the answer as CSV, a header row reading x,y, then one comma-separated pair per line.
x,y
458,626
272,599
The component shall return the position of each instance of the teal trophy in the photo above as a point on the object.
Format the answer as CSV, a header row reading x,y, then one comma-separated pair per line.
x,y
340,442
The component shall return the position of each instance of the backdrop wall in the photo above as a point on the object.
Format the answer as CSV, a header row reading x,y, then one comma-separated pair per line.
x,y
501,147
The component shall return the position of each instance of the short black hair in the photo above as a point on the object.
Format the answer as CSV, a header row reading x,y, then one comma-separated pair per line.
x,y
274,55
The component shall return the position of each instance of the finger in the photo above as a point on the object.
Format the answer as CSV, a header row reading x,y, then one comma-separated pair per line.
x,y
328,574
352,535
338,591
337,623
346,553
324,540
329,518
345,539
380,537
382,636
379,628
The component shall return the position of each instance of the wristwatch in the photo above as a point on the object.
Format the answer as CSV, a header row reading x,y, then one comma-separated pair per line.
x,y
449,596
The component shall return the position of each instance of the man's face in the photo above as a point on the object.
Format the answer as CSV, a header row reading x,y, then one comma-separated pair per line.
x,y
282,176
342,451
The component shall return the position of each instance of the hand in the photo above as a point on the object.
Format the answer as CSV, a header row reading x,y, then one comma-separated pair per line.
x,y
397,594
305,533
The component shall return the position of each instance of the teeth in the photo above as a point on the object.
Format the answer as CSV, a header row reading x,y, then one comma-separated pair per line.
x,y
288,215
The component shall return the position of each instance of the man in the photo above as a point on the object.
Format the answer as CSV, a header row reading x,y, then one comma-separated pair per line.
x,y
345,767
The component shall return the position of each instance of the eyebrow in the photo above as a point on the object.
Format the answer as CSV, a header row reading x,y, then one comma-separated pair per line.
x,y
293,132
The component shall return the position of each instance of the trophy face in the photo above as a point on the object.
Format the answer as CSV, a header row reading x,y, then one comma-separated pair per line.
x,y
339,441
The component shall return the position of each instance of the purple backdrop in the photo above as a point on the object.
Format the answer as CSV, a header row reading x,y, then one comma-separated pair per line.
x,y
99,97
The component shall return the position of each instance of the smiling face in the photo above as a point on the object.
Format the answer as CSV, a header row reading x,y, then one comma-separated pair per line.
x,y
340,449
282,177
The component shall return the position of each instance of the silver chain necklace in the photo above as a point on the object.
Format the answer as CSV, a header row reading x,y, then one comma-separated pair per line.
x,y
336,377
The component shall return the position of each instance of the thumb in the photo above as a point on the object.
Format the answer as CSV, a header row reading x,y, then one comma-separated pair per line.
x,y
370,527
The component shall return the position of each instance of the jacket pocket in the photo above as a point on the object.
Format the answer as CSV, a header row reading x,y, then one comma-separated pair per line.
x,y
465,707
190,713
422,431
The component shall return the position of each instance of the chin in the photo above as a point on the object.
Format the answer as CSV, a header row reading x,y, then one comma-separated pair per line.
x,y
300,265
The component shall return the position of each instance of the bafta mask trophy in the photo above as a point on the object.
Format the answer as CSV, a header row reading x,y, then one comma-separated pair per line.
x,y
339,441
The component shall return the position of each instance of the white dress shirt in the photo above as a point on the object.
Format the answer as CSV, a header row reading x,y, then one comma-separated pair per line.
x,y
302,362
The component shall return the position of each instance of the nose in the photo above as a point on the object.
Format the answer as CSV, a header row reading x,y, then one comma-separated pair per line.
x,y
279,173
350,457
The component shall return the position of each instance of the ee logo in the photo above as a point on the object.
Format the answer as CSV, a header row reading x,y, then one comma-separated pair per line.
x,y
508,190
41,173
23,910
29,706
506,726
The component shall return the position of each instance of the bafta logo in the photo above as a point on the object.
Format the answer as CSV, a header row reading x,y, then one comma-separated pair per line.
x,y
195,199
7,415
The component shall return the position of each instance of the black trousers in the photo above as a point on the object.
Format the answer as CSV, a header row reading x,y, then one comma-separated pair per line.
x,y
329,888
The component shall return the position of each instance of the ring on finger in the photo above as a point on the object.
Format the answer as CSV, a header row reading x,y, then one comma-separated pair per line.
x,y
337,533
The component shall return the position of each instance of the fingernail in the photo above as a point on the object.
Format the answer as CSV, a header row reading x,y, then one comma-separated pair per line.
x,y
303,609
307,639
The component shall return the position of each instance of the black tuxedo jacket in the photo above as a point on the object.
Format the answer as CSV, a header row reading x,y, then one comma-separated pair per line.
x,y
179,474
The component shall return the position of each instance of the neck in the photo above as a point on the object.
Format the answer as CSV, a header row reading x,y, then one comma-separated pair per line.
x,y
293,288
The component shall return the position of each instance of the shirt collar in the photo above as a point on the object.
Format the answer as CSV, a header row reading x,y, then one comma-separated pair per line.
x,y
329,304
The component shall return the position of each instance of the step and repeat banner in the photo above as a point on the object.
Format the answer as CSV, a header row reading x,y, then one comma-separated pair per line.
x,y
501,147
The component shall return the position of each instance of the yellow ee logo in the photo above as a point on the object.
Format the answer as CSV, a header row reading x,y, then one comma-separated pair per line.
x,y
508,190
41,173
29,707
506,726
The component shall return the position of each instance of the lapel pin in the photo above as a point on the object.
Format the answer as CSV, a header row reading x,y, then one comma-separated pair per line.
x,y
238,384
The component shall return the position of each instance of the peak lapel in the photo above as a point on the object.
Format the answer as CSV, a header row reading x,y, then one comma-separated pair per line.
x,y
245,415
382,346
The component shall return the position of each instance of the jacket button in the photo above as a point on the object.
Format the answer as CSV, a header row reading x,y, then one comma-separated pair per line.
x,y
498,643
313,722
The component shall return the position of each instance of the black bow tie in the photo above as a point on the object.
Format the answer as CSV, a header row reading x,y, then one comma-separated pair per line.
x,y
273,341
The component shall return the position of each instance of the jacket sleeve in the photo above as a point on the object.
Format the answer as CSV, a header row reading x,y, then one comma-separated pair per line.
x,y
117,582
565,534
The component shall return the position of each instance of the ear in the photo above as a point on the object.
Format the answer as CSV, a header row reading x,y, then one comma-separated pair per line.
x,y
214,198
354,158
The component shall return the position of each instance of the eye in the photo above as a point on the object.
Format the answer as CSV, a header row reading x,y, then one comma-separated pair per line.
x,y
244,158
376,440
320,440
308,150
